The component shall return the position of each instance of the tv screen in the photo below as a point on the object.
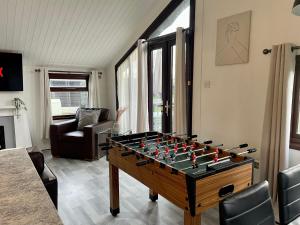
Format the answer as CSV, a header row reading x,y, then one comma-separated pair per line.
x,y
11,72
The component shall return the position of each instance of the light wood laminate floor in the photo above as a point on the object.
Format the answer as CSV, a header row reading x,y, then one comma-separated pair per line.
x,y
83,197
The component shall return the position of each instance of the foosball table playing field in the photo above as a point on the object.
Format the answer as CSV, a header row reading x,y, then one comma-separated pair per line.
x,y
194,176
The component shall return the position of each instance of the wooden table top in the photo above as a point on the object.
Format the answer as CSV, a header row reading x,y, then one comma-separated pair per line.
x,y
23,197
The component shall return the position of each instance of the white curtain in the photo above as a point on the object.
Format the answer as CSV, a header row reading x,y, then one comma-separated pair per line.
x,y
180,115
276,128
128,92
142,95
45,103
94,90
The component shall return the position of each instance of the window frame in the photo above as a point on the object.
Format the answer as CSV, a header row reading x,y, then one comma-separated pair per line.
x,y
189,53
294,137
68,76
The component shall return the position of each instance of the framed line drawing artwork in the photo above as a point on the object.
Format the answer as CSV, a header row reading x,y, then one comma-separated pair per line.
x,y
233,39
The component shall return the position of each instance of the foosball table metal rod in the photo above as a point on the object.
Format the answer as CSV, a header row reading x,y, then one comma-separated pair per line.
x,y
187,146
159,138
225,159
232,155
153,137
184,153
212,153
197,150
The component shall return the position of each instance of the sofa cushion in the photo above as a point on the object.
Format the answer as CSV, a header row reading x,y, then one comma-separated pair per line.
x,y
103,115
87,117
85,109
77,136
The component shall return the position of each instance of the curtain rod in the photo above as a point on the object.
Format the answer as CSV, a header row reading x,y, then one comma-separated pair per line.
x,y
163,36
267,51
67,72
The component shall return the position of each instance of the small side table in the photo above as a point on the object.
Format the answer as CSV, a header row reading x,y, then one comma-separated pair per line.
x,y
102,137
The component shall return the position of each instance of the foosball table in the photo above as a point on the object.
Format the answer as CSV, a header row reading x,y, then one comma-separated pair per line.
x,y
194,176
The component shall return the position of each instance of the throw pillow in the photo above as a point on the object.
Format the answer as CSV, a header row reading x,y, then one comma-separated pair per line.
x,y
87,117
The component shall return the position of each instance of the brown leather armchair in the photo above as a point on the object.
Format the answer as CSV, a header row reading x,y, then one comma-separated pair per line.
x,y
68,142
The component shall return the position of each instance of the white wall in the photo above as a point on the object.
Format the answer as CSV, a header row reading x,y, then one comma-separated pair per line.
x,y
231,111
30,97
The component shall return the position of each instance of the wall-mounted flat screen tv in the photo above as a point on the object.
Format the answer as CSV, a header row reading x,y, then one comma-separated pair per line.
x,y
11,72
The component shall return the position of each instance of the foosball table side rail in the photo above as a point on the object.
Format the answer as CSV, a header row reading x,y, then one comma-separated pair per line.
x,y
212,189
170,185
193,194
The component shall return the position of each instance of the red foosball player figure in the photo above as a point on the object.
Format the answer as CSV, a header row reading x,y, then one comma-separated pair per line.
x,y
184,147
194,160
172,140
194,146
156,153
167,151
142,144
157,141
176,148
216,158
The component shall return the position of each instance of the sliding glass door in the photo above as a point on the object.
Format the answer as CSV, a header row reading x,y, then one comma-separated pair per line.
x,y
161,55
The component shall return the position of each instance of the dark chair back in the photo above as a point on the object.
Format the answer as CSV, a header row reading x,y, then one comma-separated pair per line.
x,y
248,207
289,195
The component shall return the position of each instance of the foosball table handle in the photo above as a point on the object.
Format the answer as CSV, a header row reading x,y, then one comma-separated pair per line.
x,y
251,150
243,146
127,153
208,142
142,163
192,137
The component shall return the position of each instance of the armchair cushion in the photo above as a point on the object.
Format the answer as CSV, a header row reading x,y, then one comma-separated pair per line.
x,y
73,136
59,128
87,117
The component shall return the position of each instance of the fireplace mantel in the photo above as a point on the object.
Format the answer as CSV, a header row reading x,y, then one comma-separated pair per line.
x,y
22,132
8,110
7,107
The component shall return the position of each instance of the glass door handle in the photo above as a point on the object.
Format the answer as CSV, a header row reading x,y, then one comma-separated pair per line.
x,y
167,106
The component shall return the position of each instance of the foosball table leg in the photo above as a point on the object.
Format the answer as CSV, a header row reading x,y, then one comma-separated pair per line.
x,y
191,220
153,195
114,189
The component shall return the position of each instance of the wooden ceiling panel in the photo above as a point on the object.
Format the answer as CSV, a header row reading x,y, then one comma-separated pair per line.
x,y
85,33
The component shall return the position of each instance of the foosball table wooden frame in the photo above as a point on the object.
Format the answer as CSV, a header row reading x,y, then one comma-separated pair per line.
x,y
193,195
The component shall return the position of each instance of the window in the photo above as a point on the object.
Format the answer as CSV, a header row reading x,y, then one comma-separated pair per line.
x,y
180,17
295,125
160,35
127,92
68,93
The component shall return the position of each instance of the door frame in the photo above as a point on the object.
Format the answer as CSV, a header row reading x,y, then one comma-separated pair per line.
x,y
165,43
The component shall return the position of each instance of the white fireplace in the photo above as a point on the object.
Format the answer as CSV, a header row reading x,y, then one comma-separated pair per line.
x,y
16,127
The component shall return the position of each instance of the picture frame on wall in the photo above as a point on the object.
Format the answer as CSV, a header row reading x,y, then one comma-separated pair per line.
x,y
233,39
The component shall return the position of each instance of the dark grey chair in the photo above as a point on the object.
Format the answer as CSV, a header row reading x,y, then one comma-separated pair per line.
x,y
249,207
289,196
